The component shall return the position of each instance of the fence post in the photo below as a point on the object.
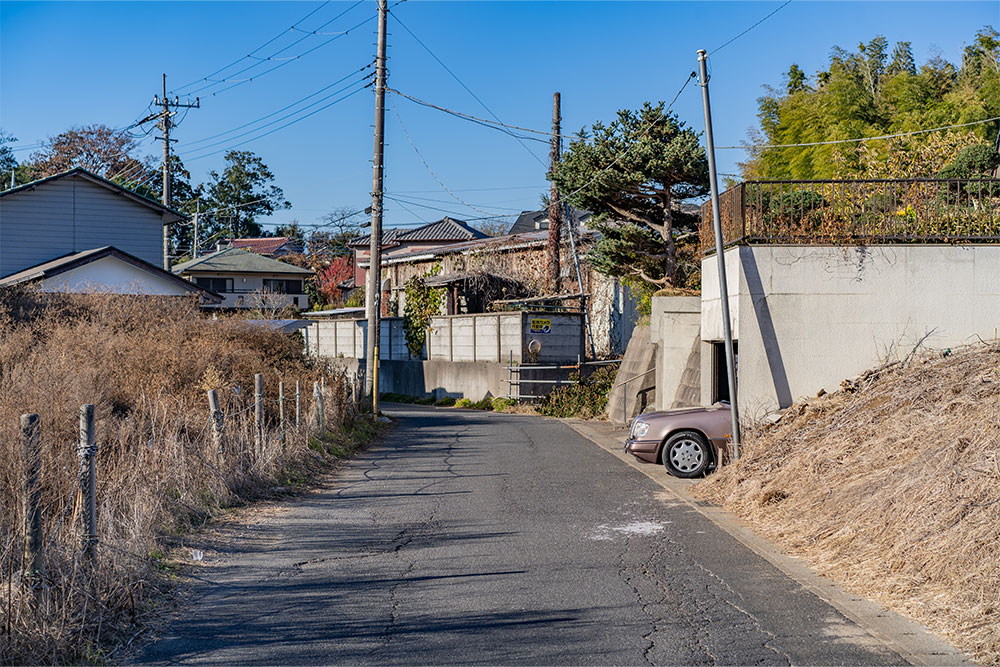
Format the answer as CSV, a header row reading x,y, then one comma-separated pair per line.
x,y
258,413
298,404
32,495
281,408
215,415
318,407
88,469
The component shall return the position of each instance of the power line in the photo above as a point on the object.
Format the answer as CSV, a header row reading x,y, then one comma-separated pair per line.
x,y
281,127
467,89
719,48
427,166
848,141
238,61
284,108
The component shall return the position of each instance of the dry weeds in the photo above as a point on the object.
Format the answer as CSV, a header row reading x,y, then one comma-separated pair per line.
x,y
145,364
892,487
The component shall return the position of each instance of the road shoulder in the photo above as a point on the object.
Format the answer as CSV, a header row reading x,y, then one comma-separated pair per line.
x,y
909,639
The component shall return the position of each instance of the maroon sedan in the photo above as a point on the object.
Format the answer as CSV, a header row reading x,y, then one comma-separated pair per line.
x,y
688,441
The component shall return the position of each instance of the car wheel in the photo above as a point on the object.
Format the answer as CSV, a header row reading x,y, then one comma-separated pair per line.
x,y
685,454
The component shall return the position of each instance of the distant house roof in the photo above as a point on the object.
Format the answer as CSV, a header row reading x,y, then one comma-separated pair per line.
x,y
266,245
445,229
235,260
533,221
169,214
75,260
284,326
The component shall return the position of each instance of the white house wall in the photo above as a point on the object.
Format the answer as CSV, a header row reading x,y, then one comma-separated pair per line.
x,y
809,317
113,276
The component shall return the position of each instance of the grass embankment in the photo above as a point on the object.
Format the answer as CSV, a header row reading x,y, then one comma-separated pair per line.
x,y
892,487
145,364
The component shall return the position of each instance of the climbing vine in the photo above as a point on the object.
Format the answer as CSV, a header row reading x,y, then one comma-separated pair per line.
x,y
422,302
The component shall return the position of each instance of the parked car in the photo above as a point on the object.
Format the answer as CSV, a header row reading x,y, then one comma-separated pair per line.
x,y
688,442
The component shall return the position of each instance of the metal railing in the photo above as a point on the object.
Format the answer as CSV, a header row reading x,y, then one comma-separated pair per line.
x,y
817,212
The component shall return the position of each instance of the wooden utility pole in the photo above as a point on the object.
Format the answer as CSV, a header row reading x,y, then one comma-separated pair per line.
x,y
373,290
555,216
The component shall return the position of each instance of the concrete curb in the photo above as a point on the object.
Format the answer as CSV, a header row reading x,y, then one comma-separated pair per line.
x,y
914,642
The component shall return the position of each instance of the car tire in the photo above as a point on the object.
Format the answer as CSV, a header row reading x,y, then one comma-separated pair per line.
x,y
685,454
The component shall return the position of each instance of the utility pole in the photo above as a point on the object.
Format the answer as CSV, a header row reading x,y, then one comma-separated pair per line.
x,y
197,211
373,290
165,124
727,329
554,208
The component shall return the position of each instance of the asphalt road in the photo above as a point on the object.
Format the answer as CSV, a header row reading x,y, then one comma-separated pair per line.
x,y
470,537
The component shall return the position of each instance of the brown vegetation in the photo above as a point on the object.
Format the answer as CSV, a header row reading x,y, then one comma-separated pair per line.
x,y
892,487
145,364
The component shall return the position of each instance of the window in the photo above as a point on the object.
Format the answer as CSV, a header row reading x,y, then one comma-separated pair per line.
x,y
721,373
218,285
277,286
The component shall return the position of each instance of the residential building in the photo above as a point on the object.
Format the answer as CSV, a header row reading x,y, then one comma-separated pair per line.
x,y
107,270
396,241
247,280
76,211
534,221
268,246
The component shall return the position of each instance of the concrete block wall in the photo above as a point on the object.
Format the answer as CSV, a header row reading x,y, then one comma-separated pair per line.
x,y
504,337
675,329
347,338
808,317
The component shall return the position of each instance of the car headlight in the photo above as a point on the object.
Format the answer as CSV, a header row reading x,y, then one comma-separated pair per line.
x,y
640,429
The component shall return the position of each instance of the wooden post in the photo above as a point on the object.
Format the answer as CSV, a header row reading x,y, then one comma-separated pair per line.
x,y
318,407
215,414
281,408
88,469
298,404
32,496
258,413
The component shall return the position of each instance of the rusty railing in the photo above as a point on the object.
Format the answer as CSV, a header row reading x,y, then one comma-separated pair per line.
x,y
922,210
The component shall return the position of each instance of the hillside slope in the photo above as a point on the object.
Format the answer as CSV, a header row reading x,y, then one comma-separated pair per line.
x,y
892,487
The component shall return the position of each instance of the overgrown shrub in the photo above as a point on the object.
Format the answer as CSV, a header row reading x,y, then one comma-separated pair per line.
x,y
445,401
145,364
463,403
502,404
586,400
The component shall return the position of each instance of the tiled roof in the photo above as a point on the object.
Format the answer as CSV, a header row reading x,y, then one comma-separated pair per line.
x,y
445,229
263,246
235,260
527,221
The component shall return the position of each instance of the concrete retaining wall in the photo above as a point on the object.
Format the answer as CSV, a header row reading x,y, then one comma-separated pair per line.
x,y
807,317
675,329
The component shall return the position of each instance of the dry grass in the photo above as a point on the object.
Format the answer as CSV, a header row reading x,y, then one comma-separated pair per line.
x,y
145,364
892,487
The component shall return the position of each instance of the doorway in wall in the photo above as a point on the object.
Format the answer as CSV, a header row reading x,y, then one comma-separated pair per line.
x,y
720,376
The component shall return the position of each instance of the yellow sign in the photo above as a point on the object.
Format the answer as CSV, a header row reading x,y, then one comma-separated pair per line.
x,y
540,326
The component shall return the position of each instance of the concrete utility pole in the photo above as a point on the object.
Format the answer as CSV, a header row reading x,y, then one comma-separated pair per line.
x,y
373,289
554,208
197,212
727,329
165,126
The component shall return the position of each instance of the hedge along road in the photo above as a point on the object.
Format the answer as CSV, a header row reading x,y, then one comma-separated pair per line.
x,y
471,537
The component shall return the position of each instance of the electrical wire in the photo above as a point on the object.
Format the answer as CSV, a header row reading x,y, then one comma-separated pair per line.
x,y
719,48
848,141
467,89
238,61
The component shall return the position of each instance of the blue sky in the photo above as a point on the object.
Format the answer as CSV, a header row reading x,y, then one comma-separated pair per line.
x,y
73,63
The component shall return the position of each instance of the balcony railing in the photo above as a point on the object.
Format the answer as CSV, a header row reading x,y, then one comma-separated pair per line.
x,y
853,212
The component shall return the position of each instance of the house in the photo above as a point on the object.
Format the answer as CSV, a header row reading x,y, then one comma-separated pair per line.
x,y
76,211
107,270
479,273
827,279
533,221
273,246
397,241
247,280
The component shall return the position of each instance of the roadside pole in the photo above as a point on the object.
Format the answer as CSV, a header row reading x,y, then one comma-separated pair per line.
x,y
727,330
373,291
